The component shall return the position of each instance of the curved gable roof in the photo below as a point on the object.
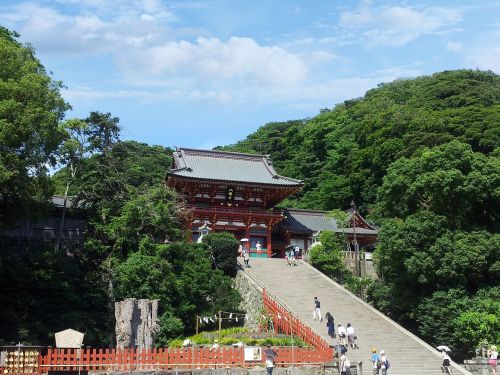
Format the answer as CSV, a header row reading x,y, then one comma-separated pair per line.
x,y
311,221
227,166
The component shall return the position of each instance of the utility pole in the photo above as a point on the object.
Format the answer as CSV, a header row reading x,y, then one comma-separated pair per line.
x,y
356,247
291,336
220,322
197,323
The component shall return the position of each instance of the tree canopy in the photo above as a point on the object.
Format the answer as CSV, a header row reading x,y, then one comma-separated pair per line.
x,y
343,153
31,108
420,157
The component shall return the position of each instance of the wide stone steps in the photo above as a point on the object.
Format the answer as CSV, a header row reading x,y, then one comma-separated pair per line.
x,y
297,286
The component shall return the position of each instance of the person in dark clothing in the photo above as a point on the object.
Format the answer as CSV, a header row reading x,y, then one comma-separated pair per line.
x,y
330,323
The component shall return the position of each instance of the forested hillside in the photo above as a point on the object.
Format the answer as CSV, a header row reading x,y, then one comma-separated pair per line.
x,y
344,153
134,244
421,158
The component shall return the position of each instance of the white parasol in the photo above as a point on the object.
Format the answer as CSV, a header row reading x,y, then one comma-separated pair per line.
x,y
443,347
244,240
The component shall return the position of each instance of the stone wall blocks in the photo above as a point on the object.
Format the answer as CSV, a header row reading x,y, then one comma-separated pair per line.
x,y
257,370
238,371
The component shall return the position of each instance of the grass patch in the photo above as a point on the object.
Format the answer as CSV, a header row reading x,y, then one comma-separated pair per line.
x,y
207,338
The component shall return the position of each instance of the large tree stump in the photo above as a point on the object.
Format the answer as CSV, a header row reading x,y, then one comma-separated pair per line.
x,y
136,323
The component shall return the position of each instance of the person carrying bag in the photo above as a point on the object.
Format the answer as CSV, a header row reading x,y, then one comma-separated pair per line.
x,y
345,365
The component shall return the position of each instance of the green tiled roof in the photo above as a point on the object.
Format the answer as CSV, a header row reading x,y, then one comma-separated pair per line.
x,y
227,166
309,222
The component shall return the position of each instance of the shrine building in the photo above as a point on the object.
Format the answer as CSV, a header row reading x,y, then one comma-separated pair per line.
x,y
237,193
302,227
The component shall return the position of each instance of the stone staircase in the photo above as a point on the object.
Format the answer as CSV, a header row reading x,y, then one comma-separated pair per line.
x,y
297,286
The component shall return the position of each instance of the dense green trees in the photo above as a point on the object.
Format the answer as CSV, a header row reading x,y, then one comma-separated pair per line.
x,y
181,276
449,180
439,244
461,320
421,159
344,153
419,156
31,109
327,256
44,292
223,251
134,240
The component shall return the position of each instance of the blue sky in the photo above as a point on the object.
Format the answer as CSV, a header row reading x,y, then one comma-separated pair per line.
x,y
207,73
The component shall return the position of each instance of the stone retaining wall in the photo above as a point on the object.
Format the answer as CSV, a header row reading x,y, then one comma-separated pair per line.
x,y
306,370
251,297
479,366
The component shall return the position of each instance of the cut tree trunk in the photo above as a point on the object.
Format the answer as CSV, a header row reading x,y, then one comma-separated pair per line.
x,y
136,323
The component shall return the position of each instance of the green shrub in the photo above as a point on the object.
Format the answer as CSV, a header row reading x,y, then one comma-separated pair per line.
x,y
327,256
224,249
170,327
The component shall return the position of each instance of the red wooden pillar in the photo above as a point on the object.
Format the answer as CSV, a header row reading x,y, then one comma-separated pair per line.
x,y
247,235
269,240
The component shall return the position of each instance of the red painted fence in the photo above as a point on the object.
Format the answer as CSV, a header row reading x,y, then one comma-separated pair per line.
x,y
169,358
285,322
128,359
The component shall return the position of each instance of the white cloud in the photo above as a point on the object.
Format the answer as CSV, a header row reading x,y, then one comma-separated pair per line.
x,y
397,25
93,29
143,45
321,56
308,96
454,46
148,96
485,59
395,72
212,59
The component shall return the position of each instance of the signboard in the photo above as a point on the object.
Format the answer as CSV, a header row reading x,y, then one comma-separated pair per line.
x,y
253,353
69,338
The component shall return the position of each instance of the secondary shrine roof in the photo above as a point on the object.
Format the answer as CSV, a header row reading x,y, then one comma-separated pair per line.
x,y
310,221
227,166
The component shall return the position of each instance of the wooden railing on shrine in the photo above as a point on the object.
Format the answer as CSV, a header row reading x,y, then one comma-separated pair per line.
x,y
285,322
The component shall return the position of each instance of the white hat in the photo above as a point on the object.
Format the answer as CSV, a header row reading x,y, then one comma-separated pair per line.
x,y
382,352
216,340
343,357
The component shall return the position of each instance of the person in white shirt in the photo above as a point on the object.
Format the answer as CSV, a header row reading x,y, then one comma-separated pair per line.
x,y
351,336
246,257
317,309
345,365
493,356
342,333
270,359
385,362
258,246
215,346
